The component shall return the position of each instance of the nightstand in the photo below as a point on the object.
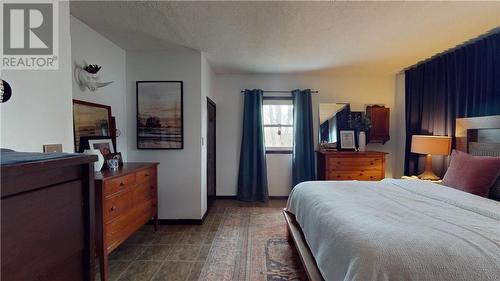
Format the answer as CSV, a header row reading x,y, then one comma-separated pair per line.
x,y
416,178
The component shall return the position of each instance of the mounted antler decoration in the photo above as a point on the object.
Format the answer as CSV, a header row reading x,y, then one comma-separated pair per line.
x,y
87,77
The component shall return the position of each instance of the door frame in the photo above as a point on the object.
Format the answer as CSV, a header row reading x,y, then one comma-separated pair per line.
x,y
212,103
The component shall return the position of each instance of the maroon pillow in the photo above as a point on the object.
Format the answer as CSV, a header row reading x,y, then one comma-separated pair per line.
x,y
473,174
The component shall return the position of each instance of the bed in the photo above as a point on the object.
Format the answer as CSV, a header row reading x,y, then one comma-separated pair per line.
x,y
47,216
399,229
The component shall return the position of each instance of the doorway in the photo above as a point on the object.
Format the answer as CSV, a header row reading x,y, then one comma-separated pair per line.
x,y
211,150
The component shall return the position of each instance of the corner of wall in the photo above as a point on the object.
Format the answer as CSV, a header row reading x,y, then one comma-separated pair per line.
x,y
206,92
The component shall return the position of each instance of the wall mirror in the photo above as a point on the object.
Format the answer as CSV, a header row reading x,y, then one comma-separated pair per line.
x,y
332,118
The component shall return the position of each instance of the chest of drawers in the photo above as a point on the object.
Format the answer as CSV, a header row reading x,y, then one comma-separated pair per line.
x,y
125,200
347,165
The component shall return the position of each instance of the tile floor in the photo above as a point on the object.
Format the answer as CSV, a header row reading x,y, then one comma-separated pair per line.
x,y
174,252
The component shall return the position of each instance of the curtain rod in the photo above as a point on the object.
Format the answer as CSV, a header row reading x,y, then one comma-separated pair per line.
x,y
284,92
468,42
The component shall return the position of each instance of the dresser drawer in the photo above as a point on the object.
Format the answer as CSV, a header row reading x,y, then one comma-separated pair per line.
x,y
115,185
118,204
144,191
363,167
121,228
355,175
355,163
146,175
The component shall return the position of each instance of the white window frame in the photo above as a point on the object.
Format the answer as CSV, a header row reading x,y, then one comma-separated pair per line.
x,y
278,101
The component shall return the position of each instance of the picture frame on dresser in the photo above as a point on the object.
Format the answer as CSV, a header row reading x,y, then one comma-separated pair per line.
x,y
105,146
116,155
347,140
160,115
84,142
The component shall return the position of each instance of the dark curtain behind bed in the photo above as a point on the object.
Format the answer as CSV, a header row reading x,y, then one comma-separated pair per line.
x,y
463,82
252,176
303,168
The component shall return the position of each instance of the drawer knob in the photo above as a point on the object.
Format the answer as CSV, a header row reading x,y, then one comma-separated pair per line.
x,y
146,175
122,183
113,208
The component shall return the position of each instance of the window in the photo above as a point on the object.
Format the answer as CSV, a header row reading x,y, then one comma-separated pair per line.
x,y
278,124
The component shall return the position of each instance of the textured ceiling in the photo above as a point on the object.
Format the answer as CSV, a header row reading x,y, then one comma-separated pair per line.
x,y
284,37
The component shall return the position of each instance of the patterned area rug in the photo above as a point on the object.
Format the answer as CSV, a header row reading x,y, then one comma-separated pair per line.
x,y
251,245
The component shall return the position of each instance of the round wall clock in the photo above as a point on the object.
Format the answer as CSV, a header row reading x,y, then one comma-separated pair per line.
x,y
5,91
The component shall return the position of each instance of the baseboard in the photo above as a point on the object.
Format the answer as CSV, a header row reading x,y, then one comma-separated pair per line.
x,y
181,221
226,197
231,197
278,197
204,216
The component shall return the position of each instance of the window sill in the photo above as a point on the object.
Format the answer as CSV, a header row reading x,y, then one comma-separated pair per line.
x,y
279,151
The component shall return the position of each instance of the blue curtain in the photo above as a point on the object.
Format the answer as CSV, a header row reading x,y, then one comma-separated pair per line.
x,y
464,82
252,176
303,168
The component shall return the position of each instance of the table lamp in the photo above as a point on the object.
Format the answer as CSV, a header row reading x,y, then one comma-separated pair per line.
x,y
430,145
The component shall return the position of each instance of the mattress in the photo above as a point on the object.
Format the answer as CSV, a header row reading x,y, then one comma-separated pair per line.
x,y
10,157
398,230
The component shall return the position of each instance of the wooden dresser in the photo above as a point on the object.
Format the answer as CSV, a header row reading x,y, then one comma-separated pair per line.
x,y
351,165
48,231
125,200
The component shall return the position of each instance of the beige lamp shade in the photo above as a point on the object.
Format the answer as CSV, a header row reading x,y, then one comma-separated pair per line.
x,y
433,145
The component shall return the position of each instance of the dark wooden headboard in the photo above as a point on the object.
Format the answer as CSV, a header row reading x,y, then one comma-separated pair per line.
x,y
478,135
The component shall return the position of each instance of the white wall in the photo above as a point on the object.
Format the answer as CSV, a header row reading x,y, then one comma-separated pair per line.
x,y
279,174
357,90
179,189
40,110
88,45
206,91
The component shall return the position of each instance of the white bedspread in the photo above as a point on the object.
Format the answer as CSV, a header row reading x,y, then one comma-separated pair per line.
x,y
398,230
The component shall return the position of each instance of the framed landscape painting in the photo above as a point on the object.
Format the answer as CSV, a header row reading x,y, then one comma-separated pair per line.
x,y
159,115
90,120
